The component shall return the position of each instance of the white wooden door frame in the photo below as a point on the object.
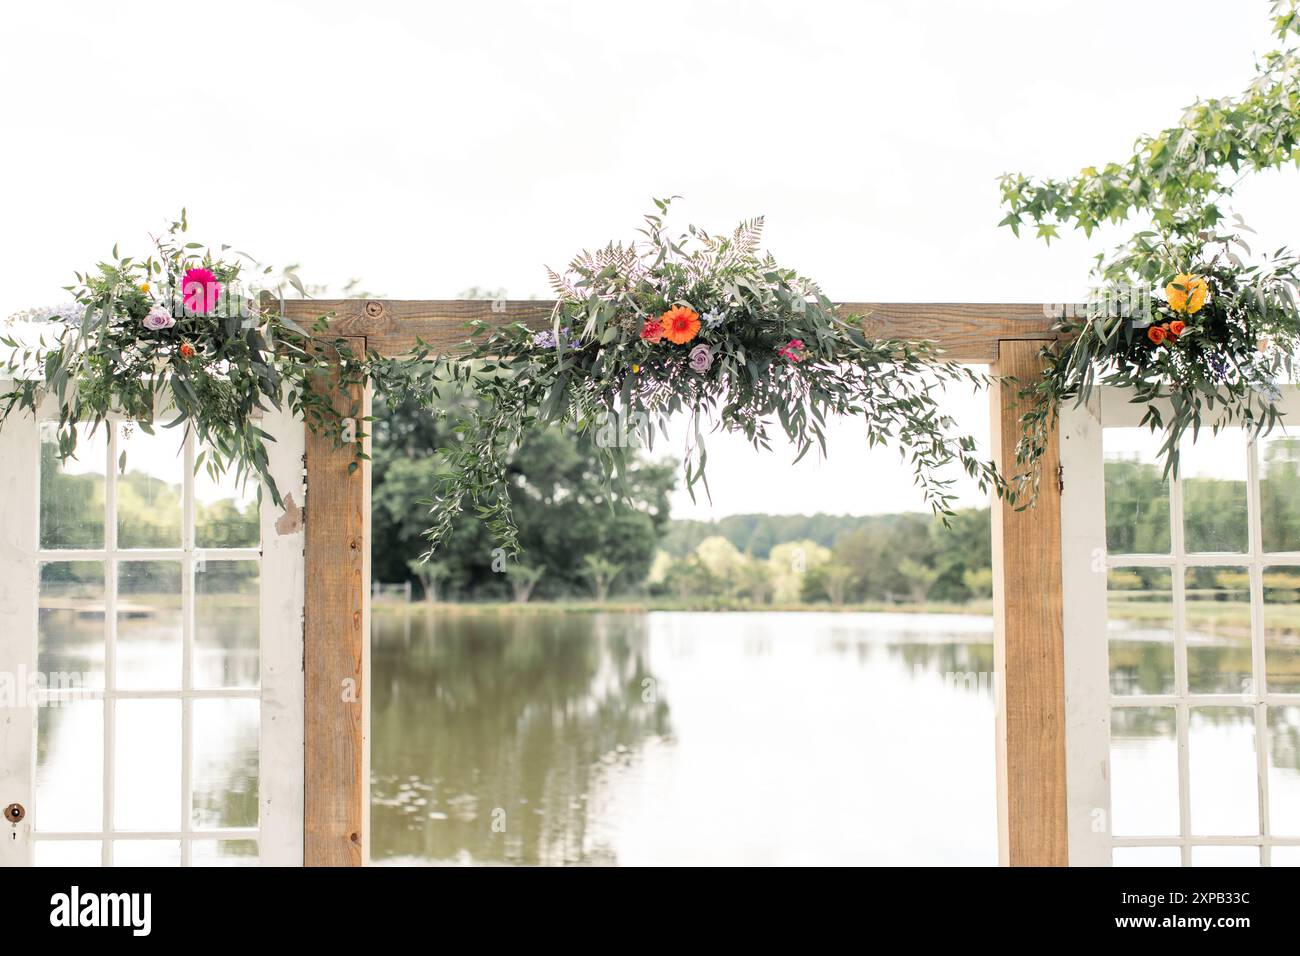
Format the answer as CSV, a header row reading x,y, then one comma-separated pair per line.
x,y
281,738
1088,700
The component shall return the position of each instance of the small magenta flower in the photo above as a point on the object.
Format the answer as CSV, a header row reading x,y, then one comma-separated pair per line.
x,y
200,291
701,358
794,350
160,317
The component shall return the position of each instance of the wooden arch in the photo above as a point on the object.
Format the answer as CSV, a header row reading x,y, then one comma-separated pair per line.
x,y
1028,628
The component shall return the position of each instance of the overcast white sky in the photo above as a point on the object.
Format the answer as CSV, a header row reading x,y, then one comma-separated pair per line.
x,y
430,147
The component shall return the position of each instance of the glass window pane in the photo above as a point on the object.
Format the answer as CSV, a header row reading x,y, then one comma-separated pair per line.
x,y
1140,623
225,511
69,853
1282,630
1225,856
1284,856
225,763
146,853
70,632
1222,771
226,624
72,492
1146,856
149,625
69,767
1143,771
151,471
1279,492
1218,630
147,774
1137,494
1284,770
1213,472
223,853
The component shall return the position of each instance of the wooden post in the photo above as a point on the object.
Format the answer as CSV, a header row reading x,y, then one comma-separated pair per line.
x,y
1028,649
336,645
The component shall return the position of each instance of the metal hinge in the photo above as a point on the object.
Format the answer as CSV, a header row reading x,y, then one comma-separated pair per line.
x,y
1060,477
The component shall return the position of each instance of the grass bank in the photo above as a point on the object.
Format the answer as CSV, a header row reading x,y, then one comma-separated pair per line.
x,y
672,604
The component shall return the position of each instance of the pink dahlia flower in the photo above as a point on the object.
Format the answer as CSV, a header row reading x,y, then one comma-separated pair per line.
x,y
200,291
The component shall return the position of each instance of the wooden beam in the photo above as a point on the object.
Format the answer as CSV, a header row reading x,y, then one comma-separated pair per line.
x,y
1029,640
967,332
336,644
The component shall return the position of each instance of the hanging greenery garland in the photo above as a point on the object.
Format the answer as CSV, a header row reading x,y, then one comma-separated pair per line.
x,y
705,327
696,325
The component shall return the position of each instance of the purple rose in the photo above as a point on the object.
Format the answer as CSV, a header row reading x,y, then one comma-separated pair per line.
x,y
701,358
159,318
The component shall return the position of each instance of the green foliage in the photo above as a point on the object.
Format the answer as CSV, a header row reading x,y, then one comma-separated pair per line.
x,y
144,341
775,352
563,508
1179,182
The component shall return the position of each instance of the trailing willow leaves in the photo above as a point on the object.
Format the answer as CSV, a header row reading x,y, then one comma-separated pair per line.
x,y
180,339
700,326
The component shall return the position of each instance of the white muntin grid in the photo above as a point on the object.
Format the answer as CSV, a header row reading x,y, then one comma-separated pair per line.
x,y
1182,700
1089,697
189,557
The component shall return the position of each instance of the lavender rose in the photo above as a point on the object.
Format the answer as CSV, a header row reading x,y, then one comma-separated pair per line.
x,y
159,318
701,358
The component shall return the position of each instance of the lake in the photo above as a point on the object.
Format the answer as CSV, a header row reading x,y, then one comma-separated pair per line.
x,y
682,738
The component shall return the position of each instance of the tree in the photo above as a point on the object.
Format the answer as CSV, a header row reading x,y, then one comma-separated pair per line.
x,y
979,582
431,574
835,580
522,581
601,572
919,577
722,560
789,563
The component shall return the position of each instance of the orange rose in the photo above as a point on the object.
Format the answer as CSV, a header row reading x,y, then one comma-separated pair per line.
x,y
680,324
1156,334
1176,327
1187,293
187,350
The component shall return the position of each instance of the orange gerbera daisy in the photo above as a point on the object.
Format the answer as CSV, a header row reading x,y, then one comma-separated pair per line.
x,y
680,324
1187,293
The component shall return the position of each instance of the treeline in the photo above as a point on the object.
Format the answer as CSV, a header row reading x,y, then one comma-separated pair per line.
x,y
839,559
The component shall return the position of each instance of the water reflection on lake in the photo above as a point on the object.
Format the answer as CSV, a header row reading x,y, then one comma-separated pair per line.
x,y
677,738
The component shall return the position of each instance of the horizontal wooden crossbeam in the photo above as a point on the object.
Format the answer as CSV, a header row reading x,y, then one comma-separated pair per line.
x,y
967,332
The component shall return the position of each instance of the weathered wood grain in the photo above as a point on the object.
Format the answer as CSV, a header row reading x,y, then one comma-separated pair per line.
x,y
1029,640
336,643
967,332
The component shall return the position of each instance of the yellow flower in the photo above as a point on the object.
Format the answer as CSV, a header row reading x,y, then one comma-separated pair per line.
x,y
1187,293
144,287
636,369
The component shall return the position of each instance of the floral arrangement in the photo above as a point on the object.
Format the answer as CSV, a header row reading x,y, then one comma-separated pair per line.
x,y
1178,313
182,334
1209,352
701,325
